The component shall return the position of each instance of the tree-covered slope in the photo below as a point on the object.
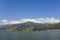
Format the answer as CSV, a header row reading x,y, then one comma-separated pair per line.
x,y
30,26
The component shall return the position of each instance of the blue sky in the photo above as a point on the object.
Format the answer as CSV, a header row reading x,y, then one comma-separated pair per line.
x,y
20,9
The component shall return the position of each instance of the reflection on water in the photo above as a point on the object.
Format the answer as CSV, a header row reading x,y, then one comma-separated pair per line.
x,y
42,35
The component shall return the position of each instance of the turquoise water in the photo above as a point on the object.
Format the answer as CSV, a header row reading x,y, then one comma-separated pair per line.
x,y
41,35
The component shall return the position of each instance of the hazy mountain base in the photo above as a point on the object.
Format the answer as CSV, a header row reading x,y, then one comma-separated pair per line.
x,y
30,26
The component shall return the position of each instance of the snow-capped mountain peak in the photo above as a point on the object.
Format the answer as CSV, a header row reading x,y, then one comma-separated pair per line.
x,y
37,20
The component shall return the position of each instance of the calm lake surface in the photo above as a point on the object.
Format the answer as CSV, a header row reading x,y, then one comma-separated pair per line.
x,y
41,35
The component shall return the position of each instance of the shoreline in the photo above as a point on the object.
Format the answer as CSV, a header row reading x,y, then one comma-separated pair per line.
x,y
32,31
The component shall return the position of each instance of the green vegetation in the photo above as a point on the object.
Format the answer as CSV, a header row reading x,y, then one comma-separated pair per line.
x,y
30,26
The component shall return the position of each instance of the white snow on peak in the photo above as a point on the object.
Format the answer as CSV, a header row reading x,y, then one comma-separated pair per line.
x,y
37,20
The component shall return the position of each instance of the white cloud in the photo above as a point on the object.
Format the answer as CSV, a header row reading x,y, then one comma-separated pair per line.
x,y
38,20
4,22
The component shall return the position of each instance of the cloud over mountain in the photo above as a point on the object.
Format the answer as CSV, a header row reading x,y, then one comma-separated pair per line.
x,y
37,20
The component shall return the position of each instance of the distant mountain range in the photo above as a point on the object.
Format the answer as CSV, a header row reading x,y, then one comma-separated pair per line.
x,y
36,20
30,26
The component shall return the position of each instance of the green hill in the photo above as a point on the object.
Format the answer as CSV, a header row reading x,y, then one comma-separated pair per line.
x,y
30,26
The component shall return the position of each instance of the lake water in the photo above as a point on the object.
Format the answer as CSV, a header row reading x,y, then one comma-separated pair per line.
x,y
41,35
